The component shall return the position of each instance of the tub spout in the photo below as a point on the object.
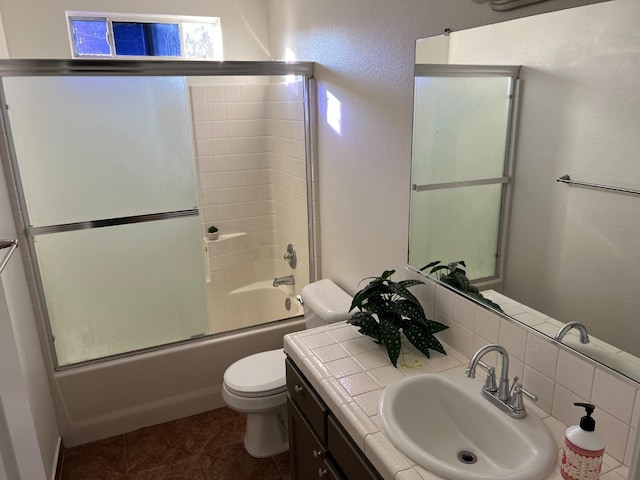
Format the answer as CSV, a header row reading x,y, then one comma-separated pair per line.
x,y
288,280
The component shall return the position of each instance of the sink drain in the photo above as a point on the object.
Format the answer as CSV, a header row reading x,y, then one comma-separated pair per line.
x,y
467,457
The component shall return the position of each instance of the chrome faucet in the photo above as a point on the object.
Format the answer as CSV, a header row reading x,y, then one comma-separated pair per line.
x,y
288,280
584,336
508,400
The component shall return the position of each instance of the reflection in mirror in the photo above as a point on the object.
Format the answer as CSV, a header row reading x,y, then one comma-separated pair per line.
x,y
571,252
460,176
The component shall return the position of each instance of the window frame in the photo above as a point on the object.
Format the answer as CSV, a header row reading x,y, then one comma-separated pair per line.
x,y
109,18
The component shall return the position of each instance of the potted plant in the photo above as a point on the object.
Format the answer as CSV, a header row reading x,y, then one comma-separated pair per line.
x,y
386,308
212,233
457,278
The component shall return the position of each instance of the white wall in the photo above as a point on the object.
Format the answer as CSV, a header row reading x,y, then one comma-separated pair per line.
x,y
365,54
573,252
37,28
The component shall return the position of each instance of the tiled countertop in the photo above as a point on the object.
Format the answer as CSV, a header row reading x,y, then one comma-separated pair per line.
x,y
350,371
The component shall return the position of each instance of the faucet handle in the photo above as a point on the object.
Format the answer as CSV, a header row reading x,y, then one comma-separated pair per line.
x,y
516,402
490,384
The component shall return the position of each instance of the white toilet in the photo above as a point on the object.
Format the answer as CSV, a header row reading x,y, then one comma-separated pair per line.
x,y
256,385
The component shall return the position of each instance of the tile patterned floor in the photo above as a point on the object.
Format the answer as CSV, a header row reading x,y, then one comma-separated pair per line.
x,y
203,447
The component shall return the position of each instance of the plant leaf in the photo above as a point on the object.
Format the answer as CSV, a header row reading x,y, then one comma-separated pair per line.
x,y
373,289
422,339
392,339
430,265
368,325
403,292
410,310
386,274
410,283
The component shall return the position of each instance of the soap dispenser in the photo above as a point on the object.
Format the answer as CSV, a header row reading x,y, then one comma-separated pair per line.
x,y
583,449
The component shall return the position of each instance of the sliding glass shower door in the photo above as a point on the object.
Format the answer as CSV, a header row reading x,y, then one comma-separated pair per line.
x,y
106,166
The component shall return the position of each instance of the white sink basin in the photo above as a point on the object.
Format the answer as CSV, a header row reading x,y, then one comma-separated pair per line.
x,y
443,423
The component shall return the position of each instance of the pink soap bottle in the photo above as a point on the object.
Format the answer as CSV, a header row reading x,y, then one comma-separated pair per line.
x,y
583,449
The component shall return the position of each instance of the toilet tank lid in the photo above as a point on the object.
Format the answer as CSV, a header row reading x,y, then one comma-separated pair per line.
x,y
327,300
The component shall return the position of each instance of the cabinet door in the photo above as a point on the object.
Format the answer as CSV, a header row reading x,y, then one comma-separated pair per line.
x,y
347,454
307,400
306,452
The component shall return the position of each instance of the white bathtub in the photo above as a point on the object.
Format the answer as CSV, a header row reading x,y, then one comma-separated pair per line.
x,y
261,302
114,397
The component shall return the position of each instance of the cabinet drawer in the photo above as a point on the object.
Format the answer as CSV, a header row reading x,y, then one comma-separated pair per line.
x,y
307,400
347,454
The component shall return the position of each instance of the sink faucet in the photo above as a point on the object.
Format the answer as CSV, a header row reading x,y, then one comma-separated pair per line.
x,y
508,400
288,280
584,336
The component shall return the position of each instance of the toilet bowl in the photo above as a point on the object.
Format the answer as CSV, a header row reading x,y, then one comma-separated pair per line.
x,y
256,385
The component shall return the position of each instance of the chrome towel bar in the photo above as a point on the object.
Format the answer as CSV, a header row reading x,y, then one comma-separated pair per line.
x,y
11,245
567,179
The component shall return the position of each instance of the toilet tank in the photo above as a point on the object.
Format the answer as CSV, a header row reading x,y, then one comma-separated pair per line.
x,y
324,303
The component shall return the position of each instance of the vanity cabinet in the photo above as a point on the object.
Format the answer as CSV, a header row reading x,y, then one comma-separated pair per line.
x,y
319,447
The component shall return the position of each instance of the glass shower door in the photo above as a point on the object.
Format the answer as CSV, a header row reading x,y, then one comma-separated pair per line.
x,y
107,173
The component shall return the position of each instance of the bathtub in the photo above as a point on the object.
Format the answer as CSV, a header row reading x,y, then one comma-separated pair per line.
x,y
261,302
114,397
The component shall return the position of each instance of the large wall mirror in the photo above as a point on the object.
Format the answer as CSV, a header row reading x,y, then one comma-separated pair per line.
x,y
571,252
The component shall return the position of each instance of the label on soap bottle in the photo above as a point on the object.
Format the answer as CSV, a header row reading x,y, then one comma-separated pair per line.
x,y
580,464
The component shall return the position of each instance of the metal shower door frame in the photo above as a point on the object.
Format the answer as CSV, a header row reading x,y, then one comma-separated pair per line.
x,y
131,68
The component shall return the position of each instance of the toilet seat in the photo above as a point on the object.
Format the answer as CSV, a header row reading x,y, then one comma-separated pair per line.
x,y
259,375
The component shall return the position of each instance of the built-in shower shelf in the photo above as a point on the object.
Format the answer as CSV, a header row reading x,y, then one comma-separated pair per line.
x,y
226,236
225,244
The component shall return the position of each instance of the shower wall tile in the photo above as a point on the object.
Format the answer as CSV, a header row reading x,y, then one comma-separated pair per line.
x,y
251,174
214,93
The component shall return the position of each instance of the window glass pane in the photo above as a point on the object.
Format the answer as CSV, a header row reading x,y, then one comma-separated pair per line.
x,y
90,37
118,289
460,128
130,38
199,39
457,224
164,39
102,147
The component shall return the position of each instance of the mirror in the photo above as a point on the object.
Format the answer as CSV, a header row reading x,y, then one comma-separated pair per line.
x,y
571,251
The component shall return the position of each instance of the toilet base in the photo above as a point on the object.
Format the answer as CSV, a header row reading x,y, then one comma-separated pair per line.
x,y
267,433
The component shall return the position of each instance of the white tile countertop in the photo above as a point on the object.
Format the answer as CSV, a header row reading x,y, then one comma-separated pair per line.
x,y
350,371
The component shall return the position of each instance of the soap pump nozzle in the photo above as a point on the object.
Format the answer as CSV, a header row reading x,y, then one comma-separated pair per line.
x,y
587,422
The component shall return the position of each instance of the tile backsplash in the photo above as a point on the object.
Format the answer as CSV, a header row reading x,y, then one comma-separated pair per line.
x,y
556,376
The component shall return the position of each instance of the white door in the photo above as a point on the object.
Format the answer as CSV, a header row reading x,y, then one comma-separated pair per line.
x,y
20,457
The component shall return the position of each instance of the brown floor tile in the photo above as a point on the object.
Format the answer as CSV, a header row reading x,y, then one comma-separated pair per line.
x,y
152,446
188,468
101,460
234,463
209,430
282,462
207,446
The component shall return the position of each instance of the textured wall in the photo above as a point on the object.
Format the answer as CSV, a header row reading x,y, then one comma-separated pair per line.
x,y
365,54
573,252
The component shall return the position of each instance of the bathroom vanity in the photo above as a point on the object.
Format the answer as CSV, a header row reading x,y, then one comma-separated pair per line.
x,y
335,377
319,445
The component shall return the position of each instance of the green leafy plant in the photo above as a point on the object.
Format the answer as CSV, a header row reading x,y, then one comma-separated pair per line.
x,y
212,229
457,278
385,308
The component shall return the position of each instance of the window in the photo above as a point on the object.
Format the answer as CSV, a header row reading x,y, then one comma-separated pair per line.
x,y
115,35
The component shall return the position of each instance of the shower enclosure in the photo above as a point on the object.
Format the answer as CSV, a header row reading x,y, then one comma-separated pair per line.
x,y
120,168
